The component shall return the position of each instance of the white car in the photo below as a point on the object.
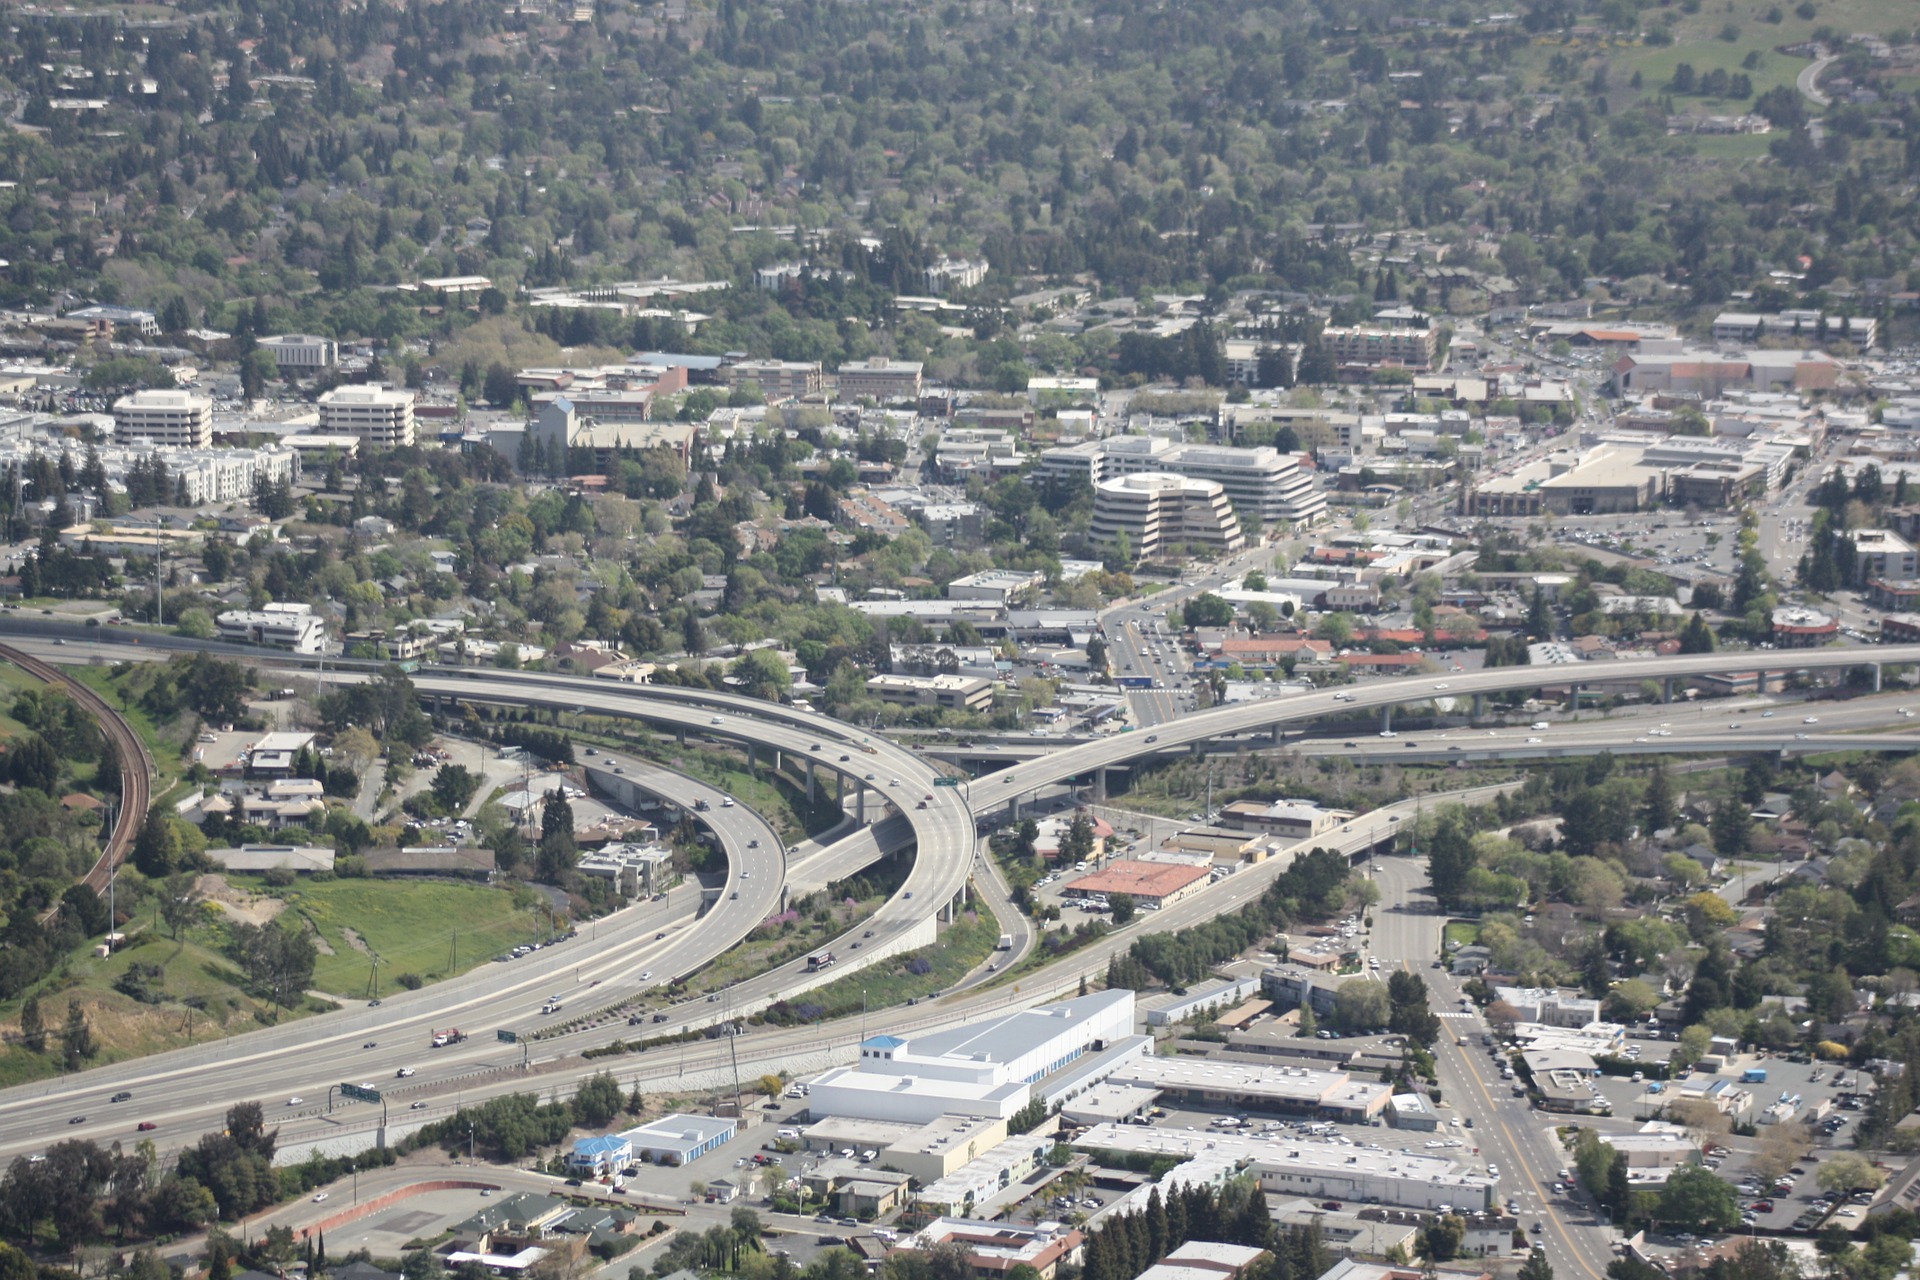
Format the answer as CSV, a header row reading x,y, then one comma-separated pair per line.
x,y
295,1101
319,1196
1811,720
1534,741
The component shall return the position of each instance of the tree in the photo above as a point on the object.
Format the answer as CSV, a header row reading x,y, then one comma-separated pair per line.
x,y
1695,1195
1659,807
156,849
597,1101
1441,1240
33,1025
1696,636
1208,610
453,786
1122,906
1536,1267
178,901
1361,1004
77,1043
1849,1171
1732,827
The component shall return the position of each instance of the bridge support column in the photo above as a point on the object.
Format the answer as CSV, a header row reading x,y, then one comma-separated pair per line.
x,y
1100,779
860,803
809,782
1014,808
1386,719
1666,689
1199,748
1574,704
682,735
1876,677
1479,706
1278,736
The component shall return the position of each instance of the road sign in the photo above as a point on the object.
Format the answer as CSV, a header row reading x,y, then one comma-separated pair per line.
x,y
944,781
359,1093
506,1037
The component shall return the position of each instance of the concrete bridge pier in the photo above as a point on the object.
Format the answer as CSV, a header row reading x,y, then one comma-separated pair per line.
x,y
1100,780
1278,736
860,805
1479,706
1666,689
809,782
1386,719
1876,677
682,735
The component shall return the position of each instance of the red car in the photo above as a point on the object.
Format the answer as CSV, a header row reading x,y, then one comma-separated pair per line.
x,y
1761,1206
145,1126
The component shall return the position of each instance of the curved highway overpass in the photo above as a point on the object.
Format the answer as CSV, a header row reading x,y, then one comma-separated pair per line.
x,y
186,1090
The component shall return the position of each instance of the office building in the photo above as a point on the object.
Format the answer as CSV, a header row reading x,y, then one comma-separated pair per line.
x,y
1151,885
1257,1087
950,693
379,417
1156,512
284,626
301,352
880,380
1882,553
174,419
1263,483
1549,1007
777,379
996,1248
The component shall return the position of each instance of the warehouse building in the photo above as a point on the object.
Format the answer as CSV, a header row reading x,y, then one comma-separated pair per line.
x,y
1257,1087
680,1139
992,1068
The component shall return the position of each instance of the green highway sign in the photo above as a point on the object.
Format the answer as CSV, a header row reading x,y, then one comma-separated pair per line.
x,y
506,1037
944,781
359,1093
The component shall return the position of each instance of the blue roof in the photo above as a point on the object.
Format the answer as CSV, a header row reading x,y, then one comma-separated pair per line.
x,y
599,1146
882,1042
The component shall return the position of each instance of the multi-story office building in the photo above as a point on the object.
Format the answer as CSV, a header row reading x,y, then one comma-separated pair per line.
x,y
1378,347
301,351
1156,511
378,416
176,419
881,380
777,379
1263,483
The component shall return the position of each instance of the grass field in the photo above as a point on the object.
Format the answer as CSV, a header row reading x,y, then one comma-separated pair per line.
x,y
1464,932
412,926
167,765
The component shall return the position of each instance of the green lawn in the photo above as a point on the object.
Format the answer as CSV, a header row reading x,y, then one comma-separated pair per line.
x,y
1734,147
413,926
1464,932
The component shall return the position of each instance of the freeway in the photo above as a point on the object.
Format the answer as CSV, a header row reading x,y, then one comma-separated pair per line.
x,y
188,1089
1008,787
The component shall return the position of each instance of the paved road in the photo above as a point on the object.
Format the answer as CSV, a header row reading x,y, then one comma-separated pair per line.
x,y
1507,1132
1808,81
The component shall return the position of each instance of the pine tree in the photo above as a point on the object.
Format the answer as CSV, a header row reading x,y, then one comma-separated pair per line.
x,y
33,1025
77,1038
1536,1266
1659,801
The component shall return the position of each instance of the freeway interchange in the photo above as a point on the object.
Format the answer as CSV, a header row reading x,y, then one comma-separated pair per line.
x,y
184,1092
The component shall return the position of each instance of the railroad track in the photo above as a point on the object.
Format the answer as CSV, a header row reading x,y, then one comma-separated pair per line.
x,y
136,764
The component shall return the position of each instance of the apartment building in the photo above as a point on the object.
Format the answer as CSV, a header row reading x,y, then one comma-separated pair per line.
x,y
1155,512
175,419
1882,553
378,416
1378,347
1798,325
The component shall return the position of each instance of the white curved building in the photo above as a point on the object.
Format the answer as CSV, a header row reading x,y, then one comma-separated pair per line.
x,y
1157,510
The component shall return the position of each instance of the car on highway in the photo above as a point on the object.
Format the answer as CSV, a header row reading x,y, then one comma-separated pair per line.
x,y
404,1073
319,1196
645,974
77,1120
1811,720
123,1096
371,1044
295,1101
145,1126
417,1106
715,720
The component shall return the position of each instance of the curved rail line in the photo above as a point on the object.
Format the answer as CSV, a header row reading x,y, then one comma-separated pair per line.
x,y
136,763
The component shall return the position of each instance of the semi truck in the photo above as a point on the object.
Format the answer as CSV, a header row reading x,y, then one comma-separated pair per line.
x,y
819,960
452,1035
